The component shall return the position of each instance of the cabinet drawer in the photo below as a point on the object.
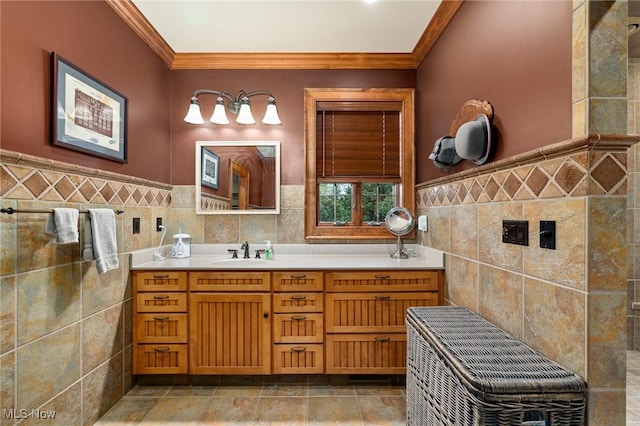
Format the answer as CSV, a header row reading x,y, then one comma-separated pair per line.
x,y
298,281
162,302
160,359
230,281
366,353
161,328
299,302
298,328
381,281
372,312
160,281
298,359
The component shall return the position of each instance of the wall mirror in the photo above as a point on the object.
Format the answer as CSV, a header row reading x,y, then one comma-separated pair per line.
x,y
237,177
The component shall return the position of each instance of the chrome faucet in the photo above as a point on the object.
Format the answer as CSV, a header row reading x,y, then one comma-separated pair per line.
x,y
245,247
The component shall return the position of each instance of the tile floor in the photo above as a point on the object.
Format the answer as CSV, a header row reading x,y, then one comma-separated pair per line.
x,y
633,388
302,402
298,403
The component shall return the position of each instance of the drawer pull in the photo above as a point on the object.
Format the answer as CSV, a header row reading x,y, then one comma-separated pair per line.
x,y
380,297
160,277
165,349
297,349
298,297
383,339
298,318
382,277
165,297
161,318
298,276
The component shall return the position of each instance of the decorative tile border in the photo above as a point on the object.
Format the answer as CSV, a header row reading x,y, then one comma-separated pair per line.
x,y
591,165
214,203
26,177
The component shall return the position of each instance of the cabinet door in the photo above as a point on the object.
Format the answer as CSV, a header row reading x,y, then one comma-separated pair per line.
x,y
372,312
229,333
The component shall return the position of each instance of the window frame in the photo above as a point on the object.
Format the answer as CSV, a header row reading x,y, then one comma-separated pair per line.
x,y
405,189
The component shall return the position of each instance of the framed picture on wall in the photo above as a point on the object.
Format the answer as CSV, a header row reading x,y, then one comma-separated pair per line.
x,y
86,114
210,169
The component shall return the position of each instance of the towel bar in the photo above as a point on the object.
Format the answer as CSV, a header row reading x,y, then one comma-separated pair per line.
x,y
11,210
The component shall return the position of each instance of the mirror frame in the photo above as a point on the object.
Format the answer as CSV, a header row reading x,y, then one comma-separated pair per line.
x,y
198,186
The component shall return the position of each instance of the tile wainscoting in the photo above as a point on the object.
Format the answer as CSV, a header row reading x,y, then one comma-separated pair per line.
x,y
568,303
65,340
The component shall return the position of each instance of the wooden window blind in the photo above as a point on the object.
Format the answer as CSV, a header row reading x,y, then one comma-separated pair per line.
x,y
358,140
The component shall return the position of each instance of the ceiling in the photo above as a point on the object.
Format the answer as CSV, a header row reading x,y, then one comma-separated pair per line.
x,y
291,26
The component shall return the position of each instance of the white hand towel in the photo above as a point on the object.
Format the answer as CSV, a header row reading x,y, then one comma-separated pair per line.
x,y
100,239
63,223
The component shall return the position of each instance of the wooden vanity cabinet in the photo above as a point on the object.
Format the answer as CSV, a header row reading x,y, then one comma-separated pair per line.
x,y
298,322
229,322
276,322
365,318
160,323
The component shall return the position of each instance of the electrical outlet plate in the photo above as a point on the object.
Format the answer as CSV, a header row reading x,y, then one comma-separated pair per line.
x,y
422,223
515,232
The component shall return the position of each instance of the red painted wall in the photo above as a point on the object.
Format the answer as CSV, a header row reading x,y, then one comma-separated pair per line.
x,y
517,56
93,37
288,88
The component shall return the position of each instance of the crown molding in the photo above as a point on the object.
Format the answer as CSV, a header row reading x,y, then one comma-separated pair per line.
x,y
253,60
444,14
293,61
131,15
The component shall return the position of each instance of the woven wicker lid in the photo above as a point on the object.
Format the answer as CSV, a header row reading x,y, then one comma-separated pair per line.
x,y
488,359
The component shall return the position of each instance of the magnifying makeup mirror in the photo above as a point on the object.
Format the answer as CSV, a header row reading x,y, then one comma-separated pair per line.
x,y
399,222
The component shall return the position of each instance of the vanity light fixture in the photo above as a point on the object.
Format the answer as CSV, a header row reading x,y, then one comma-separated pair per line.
x,y
239,105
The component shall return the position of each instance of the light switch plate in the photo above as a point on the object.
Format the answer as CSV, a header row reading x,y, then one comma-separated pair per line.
x,y
422,223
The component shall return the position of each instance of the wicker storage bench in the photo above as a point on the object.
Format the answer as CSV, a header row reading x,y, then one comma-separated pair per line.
x,y
462,370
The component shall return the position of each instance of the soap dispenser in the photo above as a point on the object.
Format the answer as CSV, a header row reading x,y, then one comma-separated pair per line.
x,y
268,251
181,245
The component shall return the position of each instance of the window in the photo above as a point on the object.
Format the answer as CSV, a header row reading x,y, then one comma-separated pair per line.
x,y
359,160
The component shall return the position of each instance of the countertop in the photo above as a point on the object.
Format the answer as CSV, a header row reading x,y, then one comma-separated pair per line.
x,y
294,257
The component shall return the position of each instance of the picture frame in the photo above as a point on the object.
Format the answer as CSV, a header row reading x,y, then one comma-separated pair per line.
x,y
210,169
86,114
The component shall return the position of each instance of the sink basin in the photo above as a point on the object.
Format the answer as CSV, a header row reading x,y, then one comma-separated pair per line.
x,y
239,261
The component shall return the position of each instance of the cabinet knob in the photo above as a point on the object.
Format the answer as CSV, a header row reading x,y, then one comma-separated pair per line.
x,y
298,349
298,318
383,339
265,315
380,297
